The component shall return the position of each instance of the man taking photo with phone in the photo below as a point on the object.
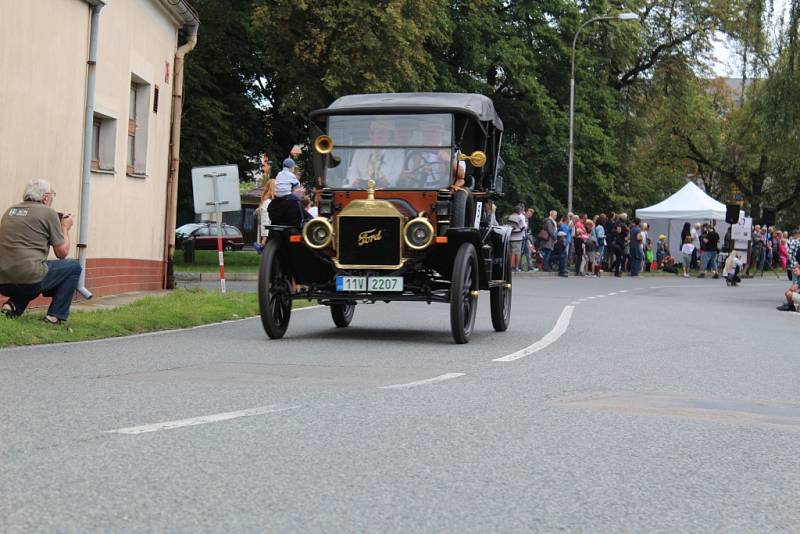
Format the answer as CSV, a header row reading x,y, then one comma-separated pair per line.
x,y
27,232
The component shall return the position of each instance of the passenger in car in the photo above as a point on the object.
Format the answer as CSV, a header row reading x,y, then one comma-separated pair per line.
x,y
286,209
377,162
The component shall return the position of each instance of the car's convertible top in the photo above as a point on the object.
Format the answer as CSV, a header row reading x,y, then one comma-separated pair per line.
x,y
479,106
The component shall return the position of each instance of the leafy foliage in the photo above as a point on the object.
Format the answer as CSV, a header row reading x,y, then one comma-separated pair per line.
x,y
647,116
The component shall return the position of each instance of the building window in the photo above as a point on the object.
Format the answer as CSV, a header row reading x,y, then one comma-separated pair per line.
x,y
96,144
138,107
104,133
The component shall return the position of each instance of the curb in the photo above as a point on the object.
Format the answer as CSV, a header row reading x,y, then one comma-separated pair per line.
x,y
213,277
253,277
537,274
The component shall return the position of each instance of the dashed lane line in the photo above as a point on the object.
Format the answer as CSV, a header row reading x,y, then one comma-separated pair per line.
x,y
201,420
425,382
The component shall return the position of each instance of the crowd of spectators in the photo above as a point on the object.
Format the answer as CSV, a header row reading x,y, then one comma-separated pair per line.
x,y
618,244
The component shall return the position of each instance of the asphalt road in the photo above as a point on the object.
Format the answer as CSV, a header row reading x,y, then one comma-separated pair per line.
x,y
663,405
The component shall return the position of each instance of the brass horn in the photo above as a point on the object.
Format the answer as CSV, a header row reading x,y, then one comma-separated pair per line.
x,y
323,144
477,158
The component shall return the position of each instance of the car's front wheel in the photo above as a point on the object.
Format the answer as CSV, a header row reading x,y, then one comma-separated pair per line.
x,y
463,293
274,290
342,314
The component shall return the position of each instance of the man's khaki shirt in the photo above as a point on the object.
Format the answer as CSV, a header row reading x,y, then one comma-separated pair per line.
x,y
27,231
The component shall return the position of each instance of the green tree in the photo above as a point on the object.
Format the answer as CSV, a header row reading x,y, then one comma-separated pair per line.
x,y
314,52
222,122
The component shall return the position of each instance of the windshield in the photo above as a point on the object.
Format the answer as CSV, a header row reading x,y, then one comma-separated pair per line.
x,y
397,151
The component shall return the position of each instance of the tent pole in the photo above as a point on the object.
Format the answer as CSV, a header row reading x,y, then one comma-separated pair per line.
x,y
669,234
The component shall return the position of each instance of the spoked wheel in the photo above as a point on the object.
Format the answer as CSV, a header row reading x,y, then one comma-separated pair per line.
x,y
274,288
463,303
342,313
500,299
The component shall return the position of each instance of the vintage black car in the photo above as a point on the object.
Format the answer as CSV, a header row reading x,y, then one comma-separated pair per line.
x,y
405,181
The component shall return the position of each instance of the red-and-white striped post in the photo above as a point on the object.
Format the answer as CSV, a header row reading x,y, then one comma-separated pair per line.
x,y
221,256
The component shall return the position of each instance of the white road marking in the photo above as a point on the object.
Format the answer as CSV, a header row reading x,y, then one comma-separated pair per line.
x,y
590,298
552,336
202,420
611,294
624,290
600,297
575,302
433,380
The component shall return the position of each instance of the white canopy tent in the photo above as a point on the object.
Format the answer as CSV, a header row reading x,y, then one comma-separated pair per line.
x,y
689,204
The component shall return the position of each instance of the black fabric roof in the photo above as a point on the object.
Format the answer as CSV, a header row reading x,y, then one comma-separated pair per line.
x,y
478,105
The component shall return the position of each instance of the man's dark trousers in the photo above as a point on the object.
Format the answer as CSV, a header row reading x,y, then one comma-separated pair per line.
x,y
546,252
636,264
59,283
616,252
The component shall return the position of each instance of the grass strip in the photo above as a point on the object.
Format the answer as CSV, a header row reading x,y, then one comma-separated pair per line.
x,y
182,308
207,261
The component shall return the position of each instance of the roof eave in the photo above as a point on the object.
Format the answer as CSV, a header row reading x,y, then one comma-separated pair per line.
x,y
182,11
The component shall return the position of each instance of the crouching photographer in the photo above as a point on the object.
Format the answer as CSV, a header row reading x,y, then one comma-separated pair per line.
x,y
27,231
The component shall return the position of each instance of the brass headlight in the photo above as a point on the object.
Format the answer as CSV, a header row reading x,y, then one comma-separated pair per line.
x,y
418,233
318,233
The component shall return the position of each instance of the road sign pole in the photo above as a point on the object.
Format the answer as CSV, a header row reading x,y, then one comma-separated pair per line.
x,y
218,209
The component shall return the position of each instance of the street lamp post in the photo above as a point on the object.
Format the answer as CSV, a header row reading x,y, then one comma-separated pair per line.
x,y
620,17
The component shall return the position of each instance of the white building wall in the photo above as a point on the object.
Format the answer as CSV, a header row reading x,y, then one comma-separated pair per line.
x,y
43,52
43,47
127,216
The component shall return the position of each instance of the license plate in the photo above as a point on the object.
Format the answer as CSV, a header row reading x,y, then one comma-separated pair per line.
x,y
369,284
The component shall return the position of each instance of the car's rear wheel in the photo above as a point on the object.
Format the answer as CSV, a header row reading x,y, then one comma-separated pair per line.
x,y
463,297
274,289
500,298
228,247
343,313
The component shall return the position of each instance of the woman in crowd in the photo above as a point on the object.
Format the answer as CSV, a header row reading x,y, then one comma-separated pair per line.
x,y
783,249
646,247
687,250
266,197
580,249
591,247
601,242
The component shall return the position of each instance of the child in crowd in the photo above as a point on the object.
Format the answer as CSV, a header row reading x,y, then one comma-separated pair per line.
x,y
783,249
560,253
687,250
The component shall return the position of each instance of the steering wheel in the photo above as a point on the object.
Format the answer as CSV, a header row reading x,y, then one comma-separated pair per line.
x,y
421,180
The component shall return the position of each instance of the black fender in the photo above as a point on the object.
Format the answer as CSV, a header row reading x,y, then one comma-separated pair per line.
x,y
441,258
499,237
307,266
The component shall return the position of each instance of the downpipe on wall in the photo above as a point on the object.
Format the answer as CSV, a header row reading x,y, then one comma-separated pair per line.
x,y
91,74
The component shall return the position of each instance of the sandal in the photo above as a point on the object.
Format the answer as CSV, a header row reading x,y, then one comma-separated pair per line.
x,y
9,310
49,319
